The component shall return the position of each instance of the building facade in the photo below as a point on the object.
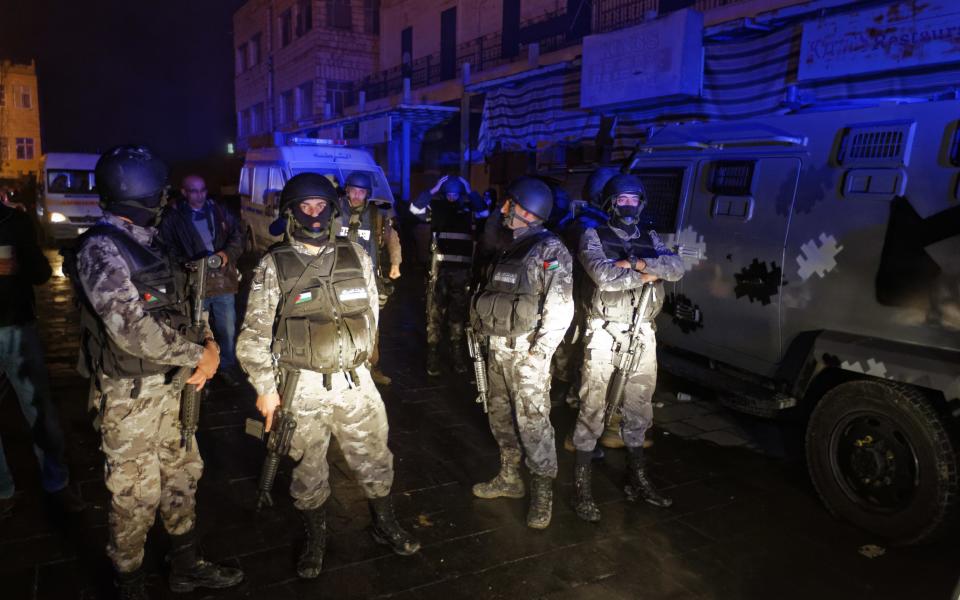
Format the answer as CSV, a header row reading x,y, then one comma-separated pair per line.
x,y
296,61
19,120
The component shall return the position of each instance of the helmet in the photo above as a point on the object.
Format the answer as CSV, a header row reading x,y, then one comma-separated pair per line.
x,y
533,195
593,187
360,180
623,183
306,185
453,185
130,175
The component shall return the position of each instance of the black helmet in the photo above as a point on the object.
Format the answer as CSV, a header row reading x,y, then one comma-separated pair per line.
x,y
306,185
360,180
533,195
593,187
623,183
453,185
130,175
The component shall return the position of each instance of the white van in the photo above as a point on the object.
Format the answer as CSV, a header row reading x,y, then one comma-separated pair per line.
x,y
67,200
266,170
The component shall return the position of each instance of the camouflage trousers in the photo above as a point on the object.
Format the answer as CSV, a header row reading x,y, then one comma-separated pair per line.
x,y
637,411
357,418
519,404
146,468
450,306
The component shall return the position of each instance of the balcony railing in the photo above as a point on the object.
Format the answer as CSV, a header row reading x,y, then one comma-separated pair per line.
x,y
552,31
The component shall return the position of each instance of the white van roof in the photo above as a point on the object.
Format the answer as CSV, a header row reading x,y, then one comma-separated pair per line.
x,y
70,160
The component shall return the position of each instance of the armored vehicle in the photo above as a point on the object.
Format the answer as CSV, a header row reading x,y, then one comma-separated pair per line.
x,y
822,251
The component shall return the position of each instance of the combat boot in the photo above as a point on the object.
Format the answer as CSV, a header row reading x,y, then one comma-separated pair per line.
x,y
541,502
507,483
433,362
132,585
639,485
387,531
311,557
583,502
189,571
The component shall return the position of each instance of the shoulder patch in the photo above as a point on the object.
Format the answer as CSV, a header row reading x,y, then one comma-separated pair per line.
x,y
551,265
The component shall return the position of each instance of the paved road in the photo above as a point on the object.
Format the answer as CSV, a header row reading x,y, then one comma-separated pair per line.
x,y
745,523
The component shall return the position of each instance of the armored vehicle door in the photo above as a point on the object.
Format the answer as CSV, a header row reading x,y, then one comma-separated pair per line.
x,y
732,239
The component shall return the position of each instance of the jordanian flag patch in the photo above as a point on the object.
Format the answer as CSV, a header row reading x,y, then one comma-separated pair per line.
x,y
303,297
551,265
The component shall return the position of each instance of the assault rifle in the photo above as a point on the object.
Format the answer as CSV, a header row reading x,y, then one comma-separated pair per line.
x,y
279,437
433,273
626,360
479,366
190,396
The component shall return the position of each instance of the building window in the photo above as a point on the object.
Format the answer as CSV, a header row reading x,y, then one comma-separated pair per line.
x,y
242,58
286,107
339,95
21,97
305,100
4,150
256,118
338,14
255,47
286,26
24,148
304,16
371,16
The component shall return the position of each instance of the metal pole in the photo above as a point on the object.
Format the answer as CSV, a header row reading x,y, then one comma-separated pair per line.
x,y
405,145
465,125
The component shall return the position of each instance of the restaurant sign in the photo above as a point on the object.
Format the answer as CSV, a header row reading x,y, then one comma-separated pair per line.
x,y
893,36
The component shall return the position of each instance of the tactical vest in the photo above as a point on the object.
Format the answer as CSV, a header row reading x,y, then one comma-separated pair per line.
x,y
619,306
509,304
162,290
362,234
324,323
455,234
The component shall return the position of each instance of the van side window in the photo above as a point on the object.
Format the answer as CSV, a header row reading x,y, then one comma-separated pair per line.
x,y
260,177
663,187
276,180
244,187
731,177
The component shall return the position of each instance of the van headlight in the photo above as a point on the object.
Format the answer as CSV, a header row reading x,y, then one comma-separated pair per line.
x,y
56,217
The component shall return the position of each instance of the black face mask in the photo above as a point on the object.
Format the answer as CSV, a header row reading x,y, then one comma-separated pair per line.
x,y
627,215
301,226
143,212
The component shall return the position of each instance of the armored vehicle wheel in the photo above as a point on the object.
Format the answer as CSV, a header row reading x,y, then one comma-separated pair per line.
x,y
880,458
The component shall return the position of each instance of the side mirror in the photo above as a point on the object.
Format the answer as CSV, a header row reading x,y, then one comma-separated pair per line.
x,y
271,203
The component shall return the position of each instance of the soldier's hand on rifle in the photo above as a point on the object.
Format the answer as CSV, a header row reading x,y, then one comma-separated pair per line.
x,y
210,359
648,278
436,189
394,271
223,255
266,404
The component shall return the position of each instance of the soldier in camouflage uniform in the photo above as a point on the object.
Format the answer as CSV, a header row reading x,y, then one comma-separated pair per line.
x,y
370,223
619,257
131,306
313,308
524,305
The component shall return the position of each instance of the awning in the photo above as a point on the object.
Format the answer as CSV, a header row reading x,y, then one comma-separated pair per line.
x,y
534,107
422,117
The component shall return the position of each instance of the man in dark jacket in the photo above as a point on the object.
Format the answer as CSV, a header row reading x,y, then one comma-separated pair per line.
x,y
200,227
22,266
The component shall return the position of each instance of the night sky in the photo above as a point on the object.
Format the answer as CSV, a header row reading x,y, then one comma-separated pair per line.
x,y
157,72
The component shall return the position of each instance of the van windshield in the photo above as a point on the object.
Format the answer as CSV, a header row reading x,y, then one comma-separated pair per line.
x,y
381,189
68,181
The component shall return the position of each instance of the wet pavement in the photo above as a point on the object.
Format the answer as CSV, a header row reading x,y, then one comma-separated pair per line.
x,y
746,522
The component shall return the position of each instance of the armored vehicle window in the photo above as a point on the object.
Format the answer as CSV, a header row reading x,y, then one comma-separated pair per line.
x,y
663,187
731,177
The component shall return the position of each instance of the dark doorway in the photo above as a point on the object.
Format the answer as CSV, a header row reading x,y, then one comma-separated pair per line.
x,y
448,43
510,38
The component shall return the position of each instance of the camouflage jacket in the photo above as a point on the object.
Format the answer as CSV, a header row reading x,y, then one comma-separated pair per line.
x,y
611,278
550,269
105,277
256,333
